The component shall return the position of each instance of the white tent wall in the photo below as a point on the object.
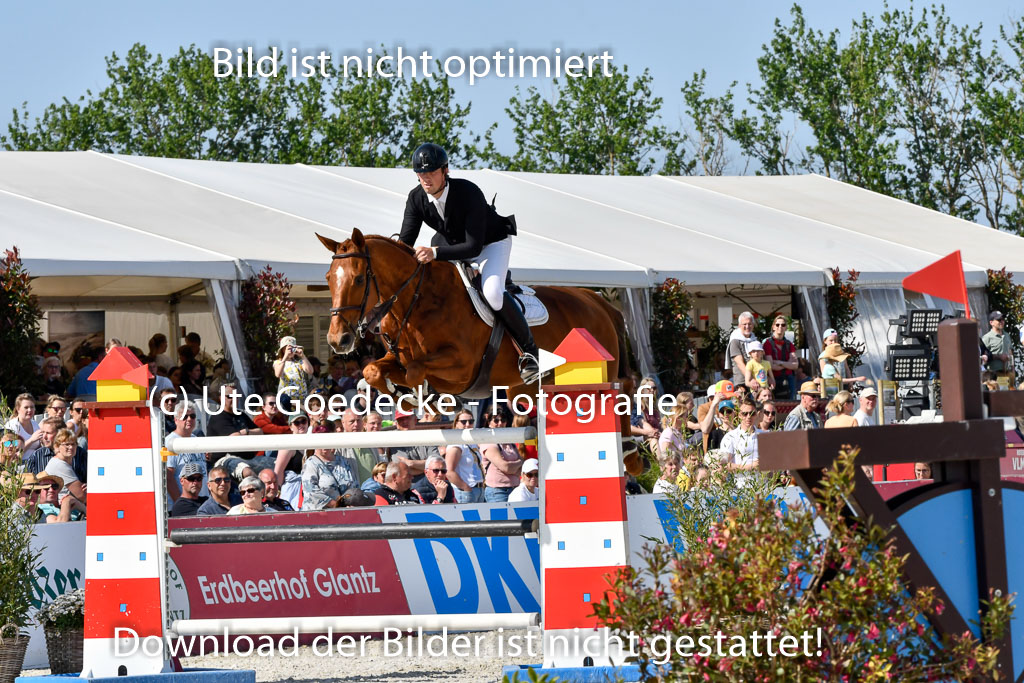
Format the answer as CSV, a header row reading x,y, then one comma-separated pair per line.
x,y
157,227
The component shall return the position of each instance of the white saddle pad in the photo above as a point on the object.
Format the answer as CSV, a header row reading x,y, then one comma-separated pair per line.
x,y
536,312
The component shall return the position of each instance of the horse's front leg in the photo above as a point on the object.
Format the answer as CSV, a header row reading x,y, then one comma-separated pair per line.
x,y
383,373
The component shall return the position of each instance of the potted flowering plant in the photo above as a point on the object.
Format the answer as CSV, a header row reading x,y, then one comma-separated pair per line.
x,y
63,622
18,562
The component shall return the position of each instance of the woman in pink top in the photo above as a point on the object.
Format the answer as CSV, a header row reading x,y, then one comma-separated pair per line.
x,y
502,462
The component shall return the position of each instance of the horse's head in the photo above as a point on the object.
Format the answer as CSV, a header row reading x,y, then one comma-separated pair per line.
x,y
350,289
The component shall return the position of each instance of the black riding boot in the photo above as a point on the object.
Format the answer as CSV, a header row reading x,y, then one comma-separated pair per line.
x,y
512,315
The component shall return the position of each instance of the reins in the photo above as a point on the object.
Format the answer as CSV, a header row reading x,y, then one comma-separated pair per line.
x,y
382,309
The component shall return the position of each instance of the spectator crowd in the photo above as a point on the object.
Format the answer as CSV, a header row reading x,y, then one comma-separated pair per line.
x,y
764,386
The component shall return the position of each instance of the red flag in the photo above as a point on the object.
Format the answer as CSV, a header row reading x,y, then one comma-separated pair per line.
x,y
944,279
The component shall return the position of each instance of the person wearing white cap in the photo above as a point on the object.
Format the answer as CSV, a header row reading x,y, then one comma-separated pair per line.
x,y
759,368
527,489
293,370
868,398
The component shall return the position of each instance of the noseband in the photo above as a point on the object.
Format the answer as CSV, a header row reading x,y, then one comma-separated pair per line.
x,y
372,323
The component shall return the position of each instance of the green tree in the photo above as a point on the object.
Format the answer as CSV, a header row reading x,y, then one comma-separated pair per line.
x,y
176,107
19,327
597,124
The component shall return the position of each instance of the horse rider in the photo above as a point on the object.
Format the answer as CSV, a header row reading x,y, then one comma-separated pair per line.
x,y
468,228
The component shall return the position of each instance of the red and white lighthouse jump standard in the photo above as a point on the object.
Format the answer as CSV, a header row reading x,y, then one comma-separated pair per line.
x,y
124,545
583,534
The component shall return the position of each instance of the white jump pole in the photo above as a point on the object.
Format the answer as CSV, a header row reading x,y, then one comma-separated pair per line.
x,y
354,624
388,439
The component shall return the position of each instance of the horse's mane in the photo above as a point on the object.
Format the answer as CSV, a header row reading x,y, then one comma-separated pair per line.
x,y
392,242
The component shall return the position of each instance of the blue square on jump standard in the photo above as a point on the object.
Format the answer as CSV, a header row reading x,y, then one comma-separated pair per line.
x,y
586,597
607,543
99,557
117,429
560,457
124,607
583,500
120,514
142,557
561,545
100,471
601,455
138,471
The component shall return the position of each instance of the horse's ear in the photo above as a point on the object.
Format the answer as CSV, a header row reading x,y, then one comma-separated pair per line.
x,y
331,245
357,239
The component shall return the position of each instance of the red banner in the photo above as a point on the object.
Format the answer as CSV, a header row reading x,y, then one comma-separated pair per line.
x,y
316,578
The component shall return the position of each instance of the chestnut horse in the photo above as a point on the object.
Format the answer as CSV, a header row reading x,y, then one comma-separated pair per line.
x,y
426,314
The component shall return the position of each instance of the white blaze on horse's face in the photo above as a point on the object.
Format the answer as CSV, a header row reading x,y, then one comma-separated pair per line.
x,y
339,337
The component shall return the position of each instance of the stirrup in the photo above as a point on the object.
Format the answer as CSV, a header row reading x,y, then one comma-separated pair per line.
x,y
529,368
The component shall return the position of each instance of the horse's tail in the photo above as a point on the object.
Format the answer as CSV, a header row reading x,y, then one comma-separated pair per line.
x,y
625,369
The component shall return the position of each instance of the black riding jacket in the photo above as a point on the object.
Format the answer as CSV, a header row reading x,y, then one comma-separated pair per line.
x,y
469,225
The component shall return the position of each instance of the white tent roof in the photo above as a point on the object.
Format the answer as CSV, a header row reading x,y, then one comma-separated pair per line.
x,y
97,224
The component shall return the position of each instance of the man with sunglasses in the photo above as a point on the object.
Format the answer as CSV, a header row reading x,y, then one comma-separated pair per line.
x,y
221,499
28,497
739,446
188,503
434,487
184,428
528,481
53,510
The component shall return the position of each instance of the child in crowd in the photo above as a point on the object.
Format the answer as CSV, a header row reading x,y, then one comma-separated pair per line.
x,y
760,369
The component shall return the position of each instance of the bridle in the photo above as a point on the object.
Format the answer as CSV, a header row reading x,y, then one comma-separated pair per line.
x,y
372,323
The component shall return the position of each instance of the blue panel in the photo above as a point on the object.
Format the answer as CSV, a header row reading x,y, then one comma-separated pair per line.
x,y
99,557
124,607
142,557
583,500
560,457
1013,513
561,545
601,455
186,676
100,471
607,543
586,597
117,429
942,529
120,514
138,471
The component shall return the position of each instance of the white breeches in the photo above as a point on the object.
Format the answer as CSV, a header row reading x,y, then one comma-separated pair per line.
x,y
493,264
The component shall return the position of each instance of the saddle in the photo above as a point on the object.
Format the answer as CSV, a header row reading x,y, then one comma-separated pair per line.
x,y
533,309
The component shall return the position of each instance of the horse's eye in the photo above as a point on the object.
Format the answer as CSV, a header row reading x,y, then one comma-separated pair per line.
x,y
359,279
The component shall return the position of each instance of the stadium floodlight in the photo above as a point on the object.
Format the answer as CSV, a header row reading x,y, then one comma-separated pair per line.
x,y
923,322
909,362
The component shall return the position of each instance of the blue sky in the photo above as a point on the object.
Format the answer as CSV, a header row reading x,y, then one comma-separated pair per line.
x,y
56,49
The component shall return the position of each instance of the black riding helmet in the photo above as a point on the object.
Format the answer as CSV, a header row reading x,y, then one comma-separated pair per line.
x,y
429,157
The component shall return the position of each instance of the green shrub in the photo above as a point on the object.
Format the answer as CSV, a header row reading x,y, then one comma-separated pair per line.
x,y
757,569
19,327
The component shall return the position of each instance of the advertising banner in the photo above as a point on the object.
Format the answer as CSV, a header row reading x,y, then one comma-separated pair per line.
x,y
62,570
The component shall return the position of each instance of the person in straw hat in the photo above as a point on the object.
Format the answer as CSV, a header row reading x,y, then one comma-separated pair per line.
x,y
833,365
